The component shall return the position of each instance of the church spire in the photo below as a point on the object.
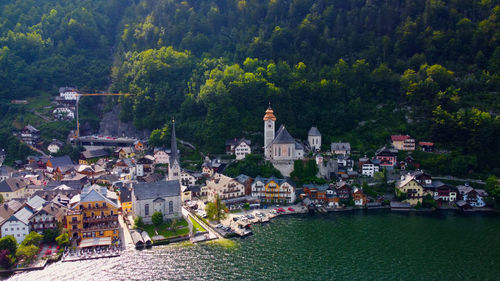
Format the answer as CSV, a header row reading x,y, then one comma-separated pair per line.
x,y
173,145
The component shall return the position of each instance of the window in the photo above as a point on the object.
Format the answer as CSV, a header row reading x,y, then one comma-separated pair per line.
x,y
146,210
104,205
111,212
97,205
170,207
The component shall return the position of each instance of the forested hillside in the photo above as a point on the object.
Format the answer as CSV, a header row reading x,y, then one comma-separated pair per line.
x,y
360,70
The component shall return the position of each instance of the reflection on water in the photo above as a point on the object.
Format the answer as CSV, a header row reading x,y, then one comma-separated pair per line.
x,y
322,247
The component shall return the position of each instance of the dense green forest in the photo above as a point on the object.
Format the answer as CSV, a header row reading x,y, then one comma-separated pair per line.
x,y
359,70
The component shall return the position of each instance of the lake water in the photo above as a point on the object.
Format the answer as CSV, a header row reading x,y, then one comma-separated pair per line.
x,y
360,245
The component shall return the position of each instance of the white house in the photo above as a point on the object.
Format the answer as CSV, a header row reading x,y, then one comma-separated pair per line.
x,y
239,147
162,196
225,187
54,146
161,157
18,224
343,148
68,93
314,139
64,113
187,179
370,167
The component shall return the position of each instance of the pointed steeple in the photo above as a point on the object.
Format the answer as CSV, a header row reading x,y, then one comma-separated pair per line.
x,y
173,145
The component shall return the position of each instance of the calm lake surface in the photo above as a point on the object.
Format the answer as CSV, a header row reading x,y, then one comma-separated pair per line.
x,y
360,245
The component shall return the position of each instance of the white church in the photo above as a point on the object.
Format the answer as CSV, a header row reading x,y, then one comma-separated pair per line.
x,y
279,146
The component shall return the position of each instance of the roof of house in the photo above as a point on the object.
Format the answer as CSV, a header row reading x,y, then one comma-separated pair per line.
x,y
408,178
340,146
282,136
12,184
125,195
31,128
399,137
152,178
89,154
276,180
384,151
96,193
319,187
242,178
314,132
194,188
237,141
6,171
61,161
143,191
298,146
22,215
36,202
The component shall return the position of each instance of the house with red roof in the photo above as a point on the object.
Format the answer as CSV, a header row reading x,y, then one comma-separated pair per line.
x,y
401,142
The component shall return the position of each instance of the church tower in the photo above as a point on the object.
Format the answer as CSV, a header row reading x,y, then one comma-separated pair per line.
x,y
269,120
174,166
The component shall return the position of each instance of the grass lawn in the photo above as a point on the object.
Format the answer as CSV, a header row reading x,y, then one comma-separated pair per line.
x,y
164,230
197,226
236,211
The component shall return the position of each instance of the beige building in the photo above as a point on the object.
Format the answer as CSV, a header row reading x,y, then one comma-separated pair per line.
x,y
225,187
414,191
403,142
13,188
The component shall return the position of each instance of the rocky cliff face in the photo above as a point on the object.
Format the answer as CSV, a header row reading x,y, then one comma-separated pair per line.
x,y
111,125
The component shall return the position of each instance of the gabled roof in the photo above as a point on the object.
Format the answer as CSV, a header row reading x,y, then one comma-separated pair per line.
x,y
283,137
61,161
399,137
94,195
22,215
319,187
53,209
340,146
298,146
276,180
314,132
242,178
89,154
31,128
12,184
143,191
36,202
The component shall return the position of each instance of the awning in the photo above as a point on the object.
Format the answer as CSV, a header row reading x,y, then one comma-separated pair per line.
x,y
94,242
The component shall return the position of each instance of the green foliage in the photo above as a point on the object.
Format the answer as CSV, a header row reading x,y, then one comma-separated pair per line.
x,y
157,218
8,243
1,199
246,206
216,210
253,165
429,202
33,238
138,223
63,240
305,172
27,252
50,235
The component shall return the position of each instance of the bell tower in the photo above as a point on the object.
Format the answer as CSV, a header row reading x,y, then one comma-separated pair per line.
x,y
269,131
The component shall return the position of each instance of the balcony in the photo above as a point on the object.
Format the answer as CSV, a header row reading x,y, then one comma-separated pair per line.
x,y
100,219
93,207
75,221
101,227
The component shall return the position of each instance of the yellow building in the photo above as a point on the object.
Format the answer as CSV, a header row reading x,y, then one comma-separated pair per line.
x,y
13,188
126,199
95,216
414,191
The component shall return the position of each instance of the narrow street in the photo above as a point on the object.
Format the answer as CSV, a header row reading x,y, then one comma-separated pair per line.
x,y
125,234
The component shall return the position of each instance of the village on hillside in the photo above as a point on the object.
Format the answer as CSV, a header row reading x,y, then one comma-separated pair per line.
x,y
124,193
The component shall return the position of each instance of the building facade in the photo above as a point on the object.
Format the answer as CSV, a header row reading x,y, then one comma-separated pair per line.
x,y
162,196
273,190
225,187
